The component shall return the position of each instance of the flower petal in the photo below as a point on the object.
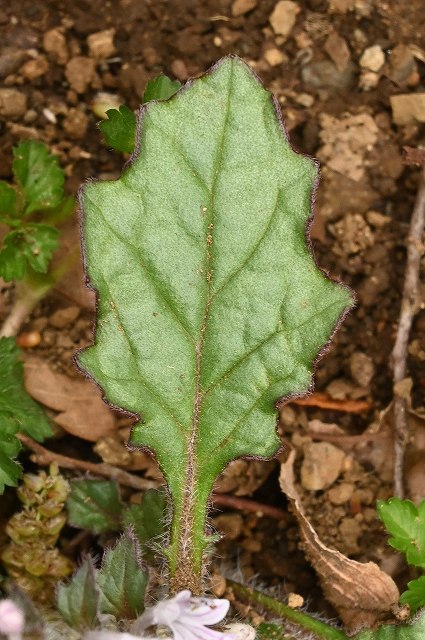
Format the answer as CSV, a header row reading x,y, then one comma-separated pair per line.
x,y
111,635
207,610
198,632
11,617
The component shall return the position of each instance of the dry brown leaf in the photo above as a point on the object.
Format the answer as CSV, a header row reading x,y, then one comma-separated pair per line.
x,y
360,592
82,410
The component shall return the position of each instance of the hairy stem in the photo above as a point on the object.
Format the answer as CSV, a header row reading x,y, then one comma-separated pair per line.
x,y
297,618
27,297
29,291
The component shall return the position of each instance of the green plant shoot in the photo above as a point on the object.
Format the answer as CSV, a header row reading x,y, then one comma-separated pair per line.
x,y
406,524
30,209
210,304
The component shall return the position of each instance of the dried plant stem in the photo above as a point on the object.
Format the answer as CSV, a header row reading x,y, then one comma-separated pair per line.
x,y
295,617
26,298
243,504
43,456
409,306
31,290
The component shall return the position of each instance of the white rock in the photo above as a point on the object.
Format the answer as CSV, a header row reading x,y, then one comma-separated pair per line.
x,y
321,465
283,17
373,58
241,631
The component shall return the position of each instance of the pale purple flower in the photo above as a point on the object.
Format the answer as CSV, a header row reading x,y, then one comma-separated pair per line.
x,y
11,619
187,617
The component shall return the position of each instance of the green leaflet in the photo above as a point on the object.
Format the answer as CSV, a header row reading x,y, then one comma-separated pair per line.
x,y
210,304
119,129
413,631
31,246
38,175
18,412
95,505
78,601
415,594
122,580
160,88
406,524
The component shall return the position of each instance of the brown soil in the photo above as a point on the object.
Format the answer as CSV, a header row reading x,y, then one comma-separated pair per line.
x,y
336,109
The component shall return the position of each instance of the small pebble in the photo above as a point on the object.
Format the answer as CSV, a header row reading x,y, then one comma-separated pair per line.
x,y
80,72
295,601
321,465
240,7
63,317
101,44
28,339
13,103
54,43
283,17
34,69
373,58
362,368
274,57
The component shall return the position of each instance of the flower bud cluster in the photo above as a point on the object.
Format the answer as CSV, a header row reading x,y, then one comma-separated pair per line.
x,y
32,558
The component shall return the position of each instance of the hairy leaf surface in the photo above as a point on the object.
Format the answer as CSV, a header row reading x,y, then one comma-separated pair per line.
x,y
210,305
78,601
122,580
95,505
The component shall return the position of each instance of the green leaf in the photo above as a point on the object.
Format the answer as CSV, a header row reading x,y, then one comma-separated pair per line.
x,y
95,505
10,471
7,201
29,417
18,412
406,524
413,631
32,246
160,88
210,306
122,580
415,594
78,601
119,130
39,175
147,519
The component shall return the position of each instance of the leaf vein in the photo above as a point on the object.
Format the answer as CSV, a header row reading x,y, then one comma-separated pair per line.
x,y
156,285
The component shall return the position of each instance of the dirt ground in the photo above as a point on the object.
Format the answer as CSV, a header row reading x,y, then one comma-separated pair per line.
x,y
350,76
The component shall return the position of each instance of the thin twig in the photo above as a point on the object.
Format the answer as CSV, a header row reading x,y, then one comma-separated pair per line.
x,y
43,456
244,504
409,306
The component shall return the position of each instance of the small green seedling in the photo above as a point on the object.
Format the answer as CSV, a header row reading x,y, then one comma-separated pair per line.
x,y
116,589
406,524
96,505
119,130
210,305
31,208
